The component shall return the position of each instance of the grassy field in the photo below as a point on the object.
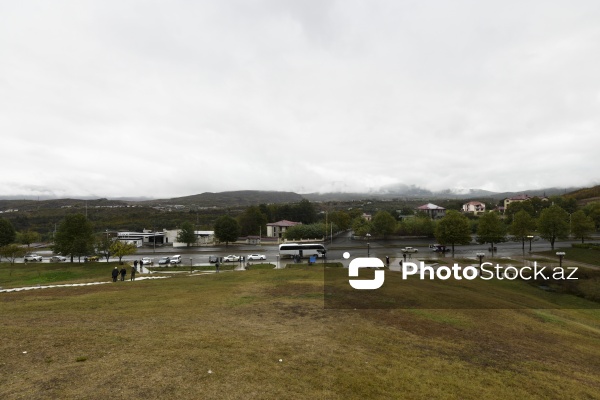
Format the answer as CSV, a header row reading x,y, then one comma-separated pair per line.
x,y
588,256
265,334
32,274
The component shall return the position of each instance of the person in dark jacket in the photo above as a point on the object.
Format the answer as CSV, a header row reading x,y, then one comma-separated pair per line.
x,y
123,273
115,274
133,271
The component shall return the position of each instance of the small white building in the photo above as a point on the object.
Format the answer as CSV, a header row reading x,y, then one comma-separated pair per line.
x,y
143,238
202,238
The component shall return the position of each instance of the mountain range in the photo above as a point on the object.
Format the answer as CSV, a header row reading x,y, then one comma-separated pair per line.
x,y
244,198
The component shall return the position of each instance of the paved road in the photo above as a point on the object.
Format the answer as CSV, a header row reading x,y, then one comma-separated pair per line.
x,y
197,256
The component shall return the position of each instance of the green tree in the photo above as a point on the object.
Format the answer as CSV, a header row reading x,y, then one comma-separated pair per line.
x,y
74,237
592,210
252,221
305,212
341,219
491,229
517,206
121,249
11,252
453,229
384,223
103,243
186,234
567,203
522,226
8,233
28,237
581,225
553,224
361,226
226,229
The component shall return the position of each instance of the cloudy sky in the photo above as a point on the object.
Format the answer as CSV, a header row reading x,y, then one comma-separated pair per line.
x,y
173,98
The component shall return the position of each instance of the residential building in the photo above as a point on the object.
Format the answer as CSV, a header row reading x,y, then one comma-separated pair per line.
x,y
475,207
521,197
433,211
277,229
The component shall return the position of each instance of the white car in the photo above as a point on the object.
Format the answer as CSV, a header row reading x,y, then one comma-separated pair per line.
x,y
58,259
231,258
257,257
32,257
409,249
175,259
147,261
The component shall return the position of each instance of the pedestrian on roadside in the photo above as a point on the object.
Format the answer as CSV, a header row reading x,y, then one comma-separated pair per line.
x,y
133,271
115,274
135,264
217,265
387,261
123,273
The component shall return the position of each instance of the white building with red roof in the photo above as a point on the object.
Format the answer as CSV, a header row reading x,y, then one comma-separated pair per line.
x,y
432,210
475,207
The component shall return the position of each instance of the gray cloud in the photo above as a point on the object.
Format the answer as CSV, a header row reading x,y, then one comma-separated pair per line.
x,y
164,99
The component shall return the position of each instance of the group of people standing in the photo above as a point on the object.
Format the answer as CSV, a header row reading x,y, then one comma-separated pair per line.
x,y
116,272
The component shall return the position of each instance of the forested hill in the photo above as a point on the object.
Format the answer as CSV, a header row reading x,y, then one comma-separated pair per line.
x,y
229,199
586,195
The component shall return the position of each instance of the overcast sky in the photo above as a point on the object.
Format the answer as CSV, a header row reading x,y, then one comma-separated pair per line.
x,y
173,98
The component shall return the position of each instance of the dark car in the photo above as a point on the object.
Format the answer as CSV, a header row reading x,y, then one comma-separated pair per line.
x,y
164,261
213,259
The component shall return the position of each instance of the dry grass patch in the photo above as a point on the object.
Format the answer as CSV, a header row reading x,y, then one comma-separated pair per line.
x,y
222,336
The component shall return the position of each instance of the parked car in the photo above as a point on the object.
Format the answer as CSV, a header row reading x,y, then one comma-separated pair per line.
x,y
213,259
32,257
58,258
231,258
175,259
147,261
409,249
91,259
164,261
257,257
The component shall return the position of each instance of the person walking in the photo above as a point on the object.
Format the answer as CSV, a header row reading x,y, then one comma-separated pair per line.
x,y
123,273
133,271
115,274
135,264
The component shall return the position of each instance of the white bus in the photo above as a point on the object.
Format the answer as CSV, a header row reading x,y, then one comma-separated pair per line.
x,y
302,250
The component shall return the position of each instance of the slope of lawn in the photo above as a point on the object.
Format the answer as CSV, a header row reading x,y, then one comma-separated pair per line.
x,y
266,334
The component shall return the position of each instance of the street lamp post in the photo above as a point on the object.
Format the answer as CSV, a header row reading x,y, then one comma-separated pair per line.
x,y
191,264
530,237
480,255
560,255
368,235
